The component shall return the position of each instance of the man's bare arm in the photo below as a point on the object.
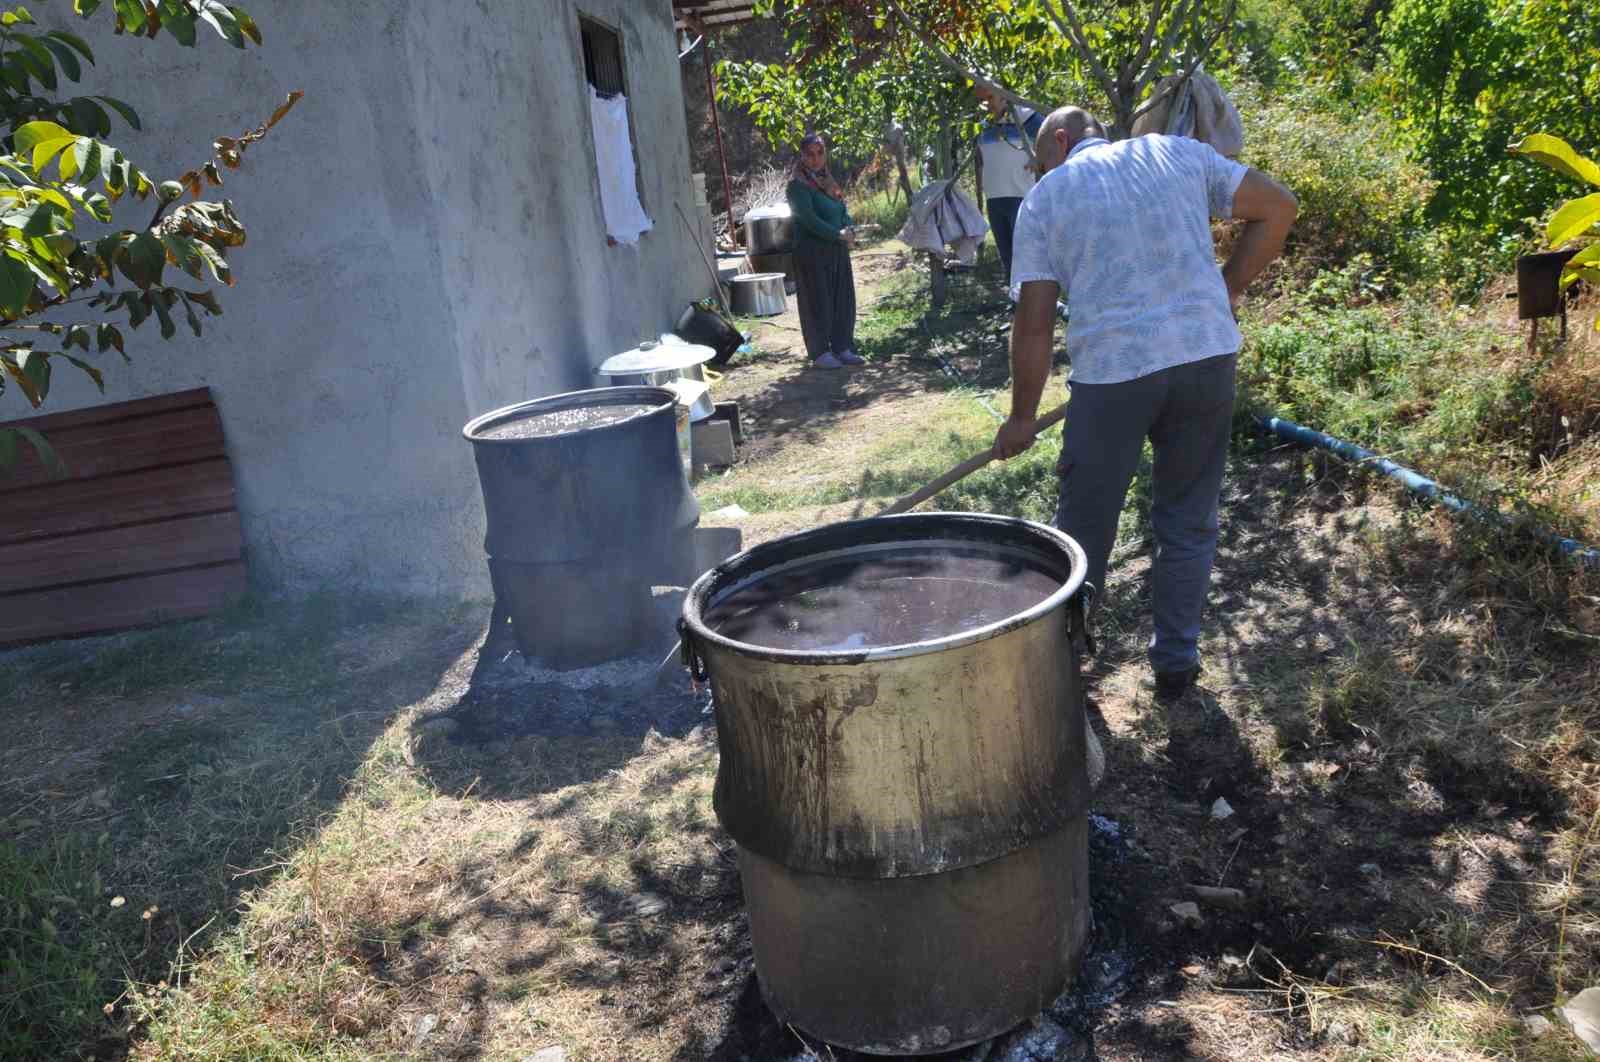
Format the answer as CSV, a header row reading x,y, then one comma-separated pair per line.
x,y
1033,330
1268,210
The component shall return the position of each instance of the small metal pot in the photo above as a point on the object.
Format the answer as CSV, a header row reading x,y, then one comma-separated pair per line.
x,y
759,294
769,230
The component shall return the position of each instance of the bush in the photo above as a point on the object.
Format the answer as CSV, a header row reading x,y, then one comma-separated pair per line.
x,y
886,209
1409,378
1358,194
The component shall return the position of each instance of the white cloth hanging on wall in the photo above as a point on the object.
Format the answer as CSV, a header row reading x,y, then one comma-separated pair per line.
x,y
613,157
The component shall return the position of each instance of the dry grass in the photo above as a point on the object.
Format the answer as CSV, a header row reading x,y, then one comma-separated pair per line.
x,y
423,917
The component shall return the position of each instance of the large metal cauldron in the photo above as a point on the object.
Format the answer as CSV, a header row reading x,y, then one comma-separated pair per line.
x,y
581,524
911,819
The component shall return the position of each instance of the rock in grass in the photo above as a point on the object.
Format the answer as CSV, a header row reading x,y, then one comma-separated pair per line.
x,y
1231,899
1582,1015
646,904
1188,913
547,1054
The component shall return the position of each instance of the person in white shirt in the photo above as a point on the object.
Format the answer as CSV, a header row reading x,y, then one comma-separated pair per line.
x,y
1123,230
1005,159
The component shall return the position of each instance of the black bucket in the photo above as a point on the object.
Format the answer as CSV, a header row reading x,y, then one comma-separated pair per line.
x,y
582,522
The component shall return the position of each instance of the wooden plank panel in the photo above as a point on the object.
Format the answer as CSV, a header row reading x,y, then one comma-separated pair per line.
x,y
138,407
125,551
72,506
122,446
99,608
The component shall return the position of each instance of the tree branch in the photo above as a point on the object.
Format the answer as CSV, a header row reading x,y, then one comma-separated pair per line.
x,y
1194,62
1184,11
1072,26
1149,39
955,65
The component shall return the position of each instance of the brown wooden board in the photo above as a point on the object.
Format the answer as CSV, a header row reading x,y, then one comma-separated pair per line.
x,y
97,608
118,446
99,555
138,407
72,506
143,528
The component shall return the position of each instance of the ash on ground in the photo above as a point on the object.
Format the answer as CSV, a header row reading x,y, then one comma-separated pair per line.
x,y
510,697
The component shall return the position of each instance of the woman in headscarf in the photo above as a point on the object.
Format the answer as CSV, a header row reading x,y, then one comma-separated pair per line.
x,y
824,281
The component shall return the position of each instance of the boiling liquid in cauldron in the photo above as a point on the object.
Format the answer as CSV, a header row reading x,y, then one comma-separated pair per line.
x,y
894,597
562,420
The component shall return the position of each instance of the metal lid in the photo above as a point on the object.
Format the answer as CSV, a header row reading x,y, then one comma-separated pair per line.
x,y
654,356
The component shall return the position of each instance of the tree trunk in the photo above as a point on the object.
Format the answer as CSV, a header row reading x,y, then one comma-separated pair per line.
x,y
896,140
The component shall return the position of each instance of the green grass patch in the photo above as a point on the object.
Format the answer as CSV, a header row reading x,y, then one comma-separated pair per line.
x,y
61,945
886,209
233,734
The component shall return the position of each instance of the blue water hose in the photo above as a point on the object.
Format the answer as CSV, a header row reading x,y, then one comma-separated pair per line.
x,y
1418,484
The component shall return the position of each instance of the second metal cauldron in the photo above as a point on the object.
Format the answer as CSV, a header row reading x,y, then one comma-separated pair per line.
x,y
911,819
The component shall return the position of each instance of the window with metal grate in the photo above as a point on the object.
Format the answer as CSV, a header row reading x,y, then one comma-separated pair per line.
x,y
602,58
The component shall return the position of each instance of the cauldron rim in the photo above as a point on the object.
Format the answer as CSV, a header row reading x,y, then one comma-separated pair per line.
x,y
980,528
655,397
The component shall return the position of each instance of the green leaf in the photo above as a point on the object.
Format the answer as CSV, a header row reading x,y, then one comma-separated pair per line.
x,y
73,41
46,453
138,305
89,370
41,220
217,15
181,252
1573,219
143,260
88,117
107,335
207,300
247,25
42,141
1585,265
85,8
131,14
179,21
16,286
35,365
86,157
194,320
168,328
37,58
1557,154
65,57
219,265
17,15
129,115
77,335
